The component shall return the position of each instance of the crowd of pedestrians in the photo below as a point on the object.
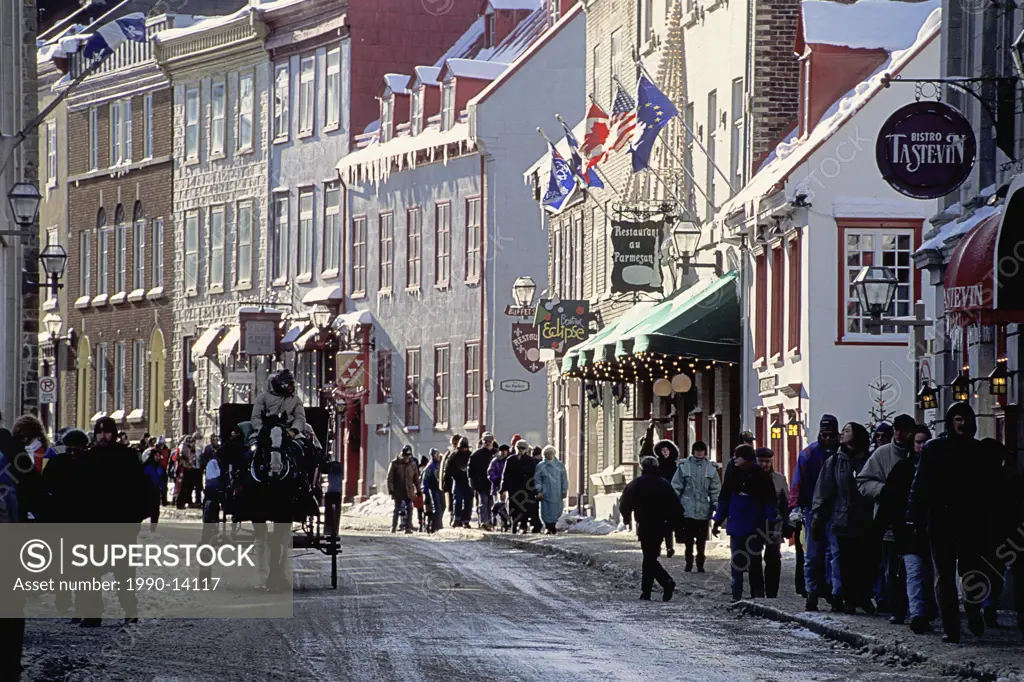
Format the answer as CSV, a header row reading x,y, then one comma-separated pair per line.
x,y
512,487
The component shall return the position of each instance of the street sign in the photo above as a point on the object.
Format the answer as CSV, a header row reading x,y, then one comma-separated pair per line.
x,y
240,378
514,385
47,390
520,311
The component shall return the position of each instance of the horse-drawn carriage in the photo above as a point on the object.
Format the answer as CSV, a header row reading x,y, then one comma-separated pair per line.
x,y
281,480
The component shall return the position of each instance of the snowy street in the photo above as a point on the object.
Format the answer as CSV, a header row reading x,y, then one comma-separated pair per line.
x,y
410,608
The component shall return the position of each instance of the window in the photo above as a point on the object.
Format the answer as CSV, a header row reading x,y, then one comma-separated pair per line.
x,y
138,374
332,227
333,117
473,235
613,61
281,101
217,240
709,169
307,93
359,256
243,216
442,244
101,378
491,32
126,118
280,243
383,375
191,251
147,126
102,286
555,7
645,8
51,154
120,252
442,369
158,252
116,132
736,141
778,296
448,105
387,104
307,231
412,388
597,237
473,382
413,232
139,249
94,133
417,111
595,72
85,263
761,307
218,117
119,376
192,123
888,248
245,107
387,252
794,295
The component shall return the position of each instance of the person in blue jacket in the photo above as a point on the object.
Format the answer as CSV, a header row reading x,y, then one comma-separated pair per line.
x,y
552,484
801,495
433,497
748,506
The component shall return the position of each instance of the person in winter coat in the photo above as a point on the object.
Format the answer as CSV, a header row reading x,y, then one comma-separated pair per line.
x,y
917,579
956,469
63,478
552,484
651,501
884,433
280,400
35,454
838,499
184,478
403,482
777,530
697,484
801,496
479,463
747,506
456,477
517,483
447,482
433,496
667,453
12,630
494,472
157,477
871,481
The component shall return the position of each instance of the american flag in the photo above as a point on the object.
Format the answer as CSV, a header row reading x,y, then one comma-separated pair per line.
x,y
623,120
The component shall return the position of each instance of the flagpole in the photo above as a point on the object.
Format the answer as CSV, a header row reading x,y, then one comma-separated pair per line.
x,y
728,182
604,177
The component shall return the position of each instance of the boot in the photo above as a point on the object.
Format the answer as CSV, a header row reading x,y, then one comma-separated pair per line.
x,y
991,617
90,623
869,608
953,638
812,603
669,589
919,625
689,565
645,596
670,552
837,604
975,622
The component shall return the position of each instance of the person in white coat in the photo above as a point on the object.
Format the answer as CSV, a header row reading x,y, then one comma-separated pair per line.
x,y
280,400
552,483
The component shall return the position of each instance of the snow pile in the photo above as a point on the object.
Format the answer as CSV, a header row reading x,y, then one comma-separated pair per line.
x,y
789,155
572,522
868,24
378,505
959,227
474,68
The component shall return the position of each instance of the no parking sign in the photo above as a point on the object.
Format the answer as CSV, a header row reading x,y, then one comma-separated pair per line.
x,y
47,390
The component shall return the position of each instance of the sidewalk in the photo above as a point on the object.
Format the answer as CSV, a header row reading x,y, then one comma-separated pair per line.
x,y
998,656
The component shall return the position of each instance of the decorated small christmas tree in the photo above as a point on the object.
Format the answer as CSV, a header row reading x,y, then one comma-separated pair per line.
x,y
878,413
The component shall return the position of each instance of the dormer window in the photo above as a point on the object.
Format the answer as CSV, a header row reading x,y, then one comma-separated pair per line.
x,y
556,10
448,105
387,105
491,32
417,111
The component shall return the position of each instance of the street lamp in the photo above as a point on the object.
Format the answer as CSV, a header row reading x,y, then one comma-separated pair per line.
x,y
24,199
321,316
523,290
793,425
998,378
54,259
961,386
685,238
926,399
54,324
875,287
776,431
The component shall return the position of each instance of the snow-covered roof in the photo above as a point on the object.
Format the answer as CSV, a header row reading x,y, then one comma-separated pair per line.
x,y
397,82
958,227
514,4
789,155
868,24
373,163
474,68
426,75
467,43
203,24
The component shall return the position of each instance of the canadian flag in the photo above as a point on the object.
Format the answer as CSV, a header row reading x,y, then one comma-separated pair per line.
x,y
596,135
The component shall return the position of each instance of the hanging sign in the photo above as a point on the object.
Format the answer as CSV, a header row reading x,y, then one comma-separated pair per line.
x,y
926,150
525,346
562,324
636,247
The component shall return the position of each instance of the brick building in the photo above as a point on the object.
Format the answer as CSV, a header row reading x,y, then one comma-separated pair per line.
x,y
120,240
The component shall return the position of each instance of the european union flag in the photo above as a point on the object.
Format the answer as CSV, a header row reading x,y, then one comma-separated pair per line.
x,y
561,183
654,110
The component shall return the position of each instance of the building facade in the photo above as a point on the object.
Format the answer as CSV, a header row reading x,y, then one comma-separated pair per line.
x,y
436,240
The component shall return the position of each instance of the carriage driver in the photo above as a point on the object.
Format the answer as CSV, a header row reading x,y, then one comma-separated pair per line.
x,y
280,400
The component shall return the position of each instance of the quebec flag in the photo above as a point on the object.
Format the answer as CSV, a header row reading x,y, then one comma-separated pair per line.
x,y
109,36
561,183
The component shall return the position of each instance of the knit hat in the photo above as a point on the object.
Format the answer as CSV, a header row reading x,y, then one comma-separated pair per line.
x,y
828,423
883,427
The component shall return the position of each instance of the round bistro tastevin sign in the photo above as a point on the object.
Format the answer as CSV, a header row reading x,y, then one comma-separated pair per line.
x,y
926,150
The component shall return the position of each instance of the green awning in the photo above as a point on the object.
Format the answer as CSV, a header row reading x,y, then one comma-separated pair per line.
x,y
569,363
702,321
592,350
